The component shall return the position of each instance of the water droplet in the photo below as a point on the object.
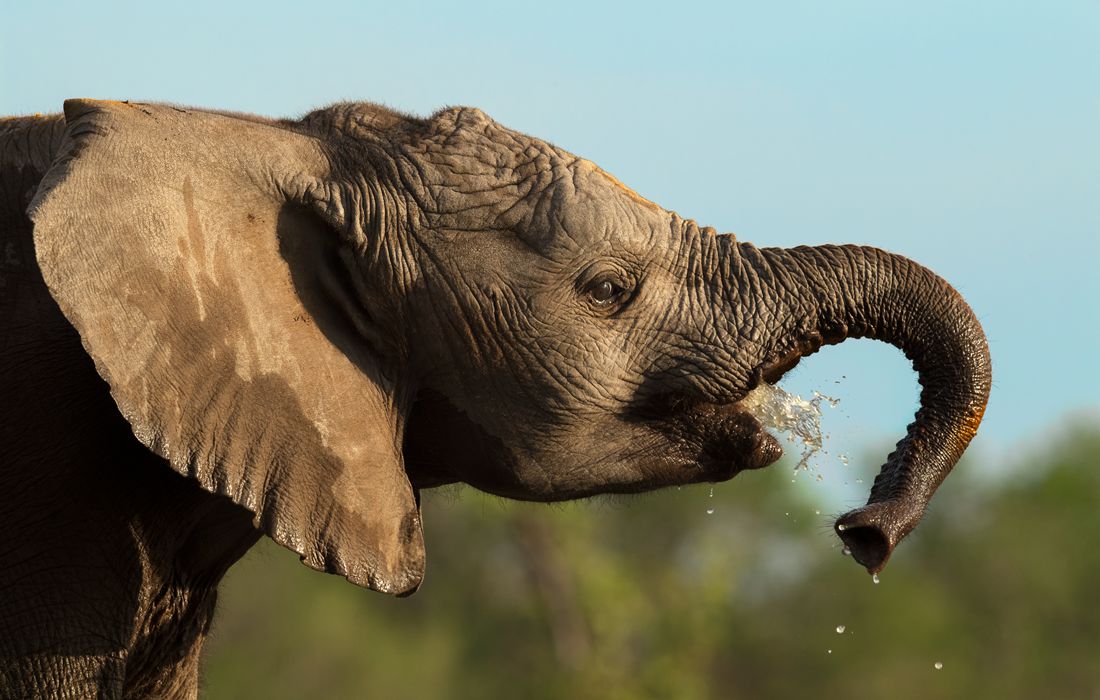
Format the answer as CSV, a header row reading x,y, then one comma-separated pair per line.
x,y
874,578
711,492
859,481
938,665
817,512
840,629
830,651
846,552
710,511
800,419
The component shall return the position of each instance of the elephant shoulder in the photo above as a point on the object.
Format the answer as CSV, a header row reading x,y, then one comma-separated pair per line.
x,y
28,146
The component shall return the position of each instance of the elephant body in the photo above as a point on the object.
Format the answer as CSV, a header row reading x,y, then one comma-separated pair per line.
x,y
215,327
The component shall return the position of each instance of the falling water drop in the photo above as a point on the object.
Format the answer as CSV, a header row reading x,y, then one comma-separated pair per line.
x,y
710,511
830,651
874,578
938,665
840,629
846,552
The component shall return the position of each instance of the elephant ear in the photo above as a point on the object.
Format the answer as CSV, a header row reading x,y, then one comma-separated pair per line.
x,y
181,246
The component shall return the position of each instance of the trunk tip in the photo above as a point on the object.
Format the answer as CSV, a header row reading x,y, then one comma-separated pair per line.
x,y
870,533
868,545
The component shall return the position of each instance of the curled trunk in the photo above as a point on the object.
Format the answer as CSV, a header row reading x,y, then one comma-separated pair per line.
x,y
825,294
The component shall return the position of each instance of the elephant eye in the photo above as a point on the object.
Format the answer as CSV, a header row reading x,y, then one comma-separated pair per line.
x,y
604,292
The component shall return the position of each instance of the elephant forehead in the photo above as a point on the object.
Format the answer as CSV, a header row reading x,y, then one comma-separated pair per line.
x,y
480,175
598,175
595,211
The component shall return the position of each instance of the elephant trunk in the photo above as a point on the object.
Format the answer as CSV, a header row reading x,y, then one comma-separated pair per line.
x,y
825,294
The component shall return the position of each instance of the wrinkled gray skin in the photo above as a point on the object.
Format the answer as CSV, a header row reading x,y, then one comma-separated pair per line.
x,y
221,326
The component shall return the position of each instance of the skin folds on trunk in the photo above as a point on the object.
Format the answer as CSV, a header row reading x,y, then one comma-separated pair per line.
x,y
825,294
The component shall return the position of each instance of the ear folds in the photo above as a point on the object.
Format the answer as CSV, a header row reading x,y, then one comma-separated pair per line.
x,y
213,306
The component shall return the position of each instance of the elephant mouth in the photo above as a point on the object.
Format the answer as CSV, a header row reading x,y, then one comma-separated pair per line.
x,y
732,440
723,437
717,440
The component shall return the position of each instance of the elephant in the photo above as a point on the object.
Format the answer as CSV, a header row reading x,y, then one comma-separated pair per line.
x,y
219,326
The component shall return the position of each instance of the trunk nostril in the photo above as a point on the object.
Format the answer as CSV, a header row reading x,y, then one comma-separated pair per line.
x,y
872,532
867,544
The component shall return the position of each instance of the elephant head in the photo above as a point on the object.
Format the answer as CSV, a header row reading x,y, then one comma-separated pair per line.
x,y
319,318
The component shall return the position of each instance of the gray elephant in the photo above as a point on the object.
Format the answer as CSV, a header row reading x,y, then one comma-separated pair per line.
x,y
221,326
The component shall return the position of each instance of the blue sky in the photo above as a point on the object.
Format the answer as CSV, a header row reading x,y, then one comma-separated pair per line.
x,y
964,135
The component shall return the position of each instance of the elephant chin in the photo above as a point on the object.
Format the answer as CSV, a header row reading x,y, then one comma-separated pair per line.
x,y
675,441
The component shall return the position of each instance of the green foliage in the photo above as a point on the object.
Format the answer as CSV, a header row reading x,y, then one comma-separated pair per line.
x,y
651,597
